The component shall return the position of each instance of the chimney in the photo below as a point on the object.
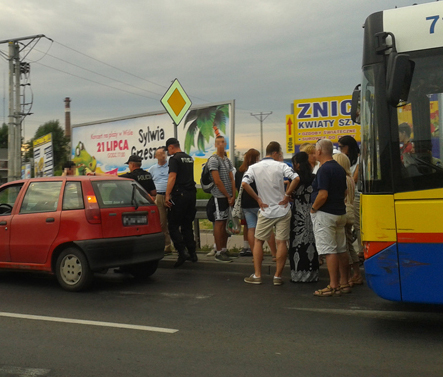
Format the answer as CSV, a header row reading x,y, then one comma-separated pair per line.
x,y
67,118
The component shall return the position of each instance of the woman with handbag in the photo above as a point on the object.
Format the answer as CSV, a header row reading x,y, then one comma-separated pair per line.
x,y
248,205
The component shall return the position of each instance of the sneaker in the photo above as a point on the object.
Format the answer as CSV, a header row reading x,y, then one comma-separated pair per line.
x,y
252,280
223,257
277,281
245,252
211,253
232,256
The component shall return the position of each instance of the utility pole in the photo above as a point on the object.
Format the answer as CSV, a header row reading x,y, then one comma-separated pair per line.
x,y
261,117
16,116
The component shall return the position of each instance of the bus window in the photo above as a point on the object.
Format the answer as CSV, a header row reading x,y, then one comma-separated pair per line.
x,y
368,129
420,140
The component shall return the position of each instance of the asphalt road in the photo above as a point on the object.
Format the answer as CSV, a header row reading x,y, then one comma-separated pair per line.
x,y
207,322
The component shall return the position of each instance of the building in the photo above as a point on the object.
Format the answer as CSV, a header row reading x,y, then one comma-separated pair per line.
x,y
3,165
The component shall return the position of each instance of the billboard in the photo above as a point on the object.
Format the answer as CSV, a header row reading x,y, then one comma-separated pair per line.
x,y
320,118
43,157
104,146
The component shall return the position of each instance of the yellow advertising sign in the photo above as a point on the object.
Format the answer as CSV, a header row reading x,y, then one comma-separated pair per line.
x,y
324,118
290,134
43,140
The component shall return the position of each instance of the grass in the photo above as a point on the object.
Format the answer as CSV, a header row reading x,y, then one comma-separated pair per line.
x,y
202,195
205,224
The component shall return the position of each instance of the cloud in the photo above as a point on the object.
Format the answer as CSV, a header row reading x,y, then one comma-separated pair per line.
x,y
264,54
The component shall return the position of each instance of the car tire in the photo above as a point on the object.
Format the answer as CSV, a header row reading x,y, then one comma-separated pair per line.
x,y
72,270
143,271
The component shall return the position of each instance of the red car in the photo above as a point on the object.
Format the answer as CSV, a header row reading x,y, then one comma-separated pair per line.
x,y
73,226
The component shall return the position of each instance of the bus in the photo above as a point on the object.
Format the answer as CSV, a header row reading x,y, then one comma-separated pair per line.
x,y
399,106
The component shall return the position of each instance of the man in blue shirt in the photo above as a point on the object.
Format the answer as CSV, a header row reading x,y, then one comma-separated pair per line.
x,y
159,173
328,214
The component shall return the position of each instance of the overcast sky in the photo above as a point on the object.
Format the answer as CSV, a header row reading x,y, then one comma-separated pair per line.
x,y
263,54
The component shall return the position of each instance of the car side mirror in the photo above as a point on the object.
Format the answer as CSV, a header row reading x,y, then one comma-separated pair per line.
x,y
355,104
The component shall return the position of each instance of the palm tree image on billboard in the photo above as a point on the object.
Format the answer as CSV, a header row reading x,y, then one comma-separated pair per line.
x,y
199,129
203,124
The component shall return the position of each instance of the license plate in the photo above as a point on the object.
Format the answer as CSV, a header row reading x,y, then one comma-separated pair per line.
x,y
135,220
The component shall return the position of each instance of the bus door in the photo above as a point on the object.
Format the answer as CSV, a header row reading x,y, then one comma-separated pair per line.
x,y
419,205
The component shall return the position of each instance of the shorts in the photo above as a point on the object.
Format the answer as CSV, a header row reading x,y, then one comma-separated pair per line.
x,y
218,209
329,232
265,226
251,216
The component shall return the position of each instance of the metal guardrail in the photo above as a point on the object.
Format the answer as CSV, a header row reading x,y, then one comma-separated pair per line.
x,y
201,214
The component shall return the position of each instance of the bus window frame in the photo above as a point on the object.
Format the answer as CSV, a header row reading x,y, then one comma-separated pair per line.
x,y
402,182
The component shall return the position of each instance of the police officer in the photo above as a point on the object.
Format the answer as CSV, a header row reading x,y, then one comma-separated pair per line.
x,y
180,198
136,173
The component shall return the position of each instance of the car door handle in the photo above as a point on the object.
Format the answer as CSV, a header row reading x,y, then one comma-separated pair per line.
x,y
50,220
3,223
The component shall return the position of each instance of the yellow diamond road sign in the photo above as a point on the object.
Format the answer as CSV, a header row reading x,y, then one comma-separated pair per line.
x,y
176,102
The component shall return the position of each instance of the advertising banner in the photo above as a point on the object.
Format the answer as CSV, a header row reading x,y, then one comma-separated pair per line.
x,y
290,134
324,118
43,157
104,146
26,171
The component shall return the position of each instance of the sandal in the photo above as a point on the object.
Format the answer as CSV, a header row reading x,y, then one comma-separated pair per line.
x,y
327,292
358,281
346,288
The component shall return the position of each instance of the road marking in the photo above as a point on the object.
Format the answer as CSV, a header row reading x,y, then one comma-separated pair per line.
x,y
372,313
23,372
86,322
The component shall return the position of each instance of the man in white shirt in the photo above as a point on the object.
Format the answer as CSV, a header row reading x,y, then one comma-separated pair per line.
x,y
269,175
159,173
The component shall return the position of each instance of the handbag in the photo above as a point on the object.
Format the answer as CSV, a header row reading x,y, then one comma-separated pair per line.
x,y
233,224
237,211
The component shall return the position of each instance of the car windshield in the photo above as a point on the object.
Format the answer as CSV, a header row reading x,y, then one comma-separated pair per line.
x,y
120,193
7,198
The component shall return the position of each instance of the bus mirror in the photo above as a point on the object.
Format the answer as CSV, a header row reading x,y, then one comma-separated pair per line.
x,y
398,78
355,104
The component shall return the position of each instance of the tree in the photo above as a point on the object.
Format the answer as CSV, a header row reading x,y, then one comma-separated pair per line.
x,y
59,142
206,122
4,130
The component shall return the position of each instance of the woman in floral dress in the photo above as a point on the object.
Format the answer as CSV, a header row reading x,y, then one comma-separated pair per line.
x,y
303,255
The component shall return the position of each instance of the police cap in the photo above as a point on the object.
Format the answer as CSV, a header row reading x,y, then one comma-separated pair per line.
x,y
134,158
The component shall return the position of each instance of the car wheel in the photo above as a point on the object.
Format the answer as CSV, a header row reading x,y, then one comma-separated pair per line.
x,y
142,271
72,270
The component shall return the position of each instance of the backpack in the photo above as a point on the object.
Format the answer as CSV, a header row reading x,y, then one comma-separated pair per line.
x,y
206,181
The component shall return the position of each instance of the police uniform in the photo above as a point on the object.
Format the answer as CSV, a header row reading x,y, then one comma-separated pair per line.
x,y
183,197
143,177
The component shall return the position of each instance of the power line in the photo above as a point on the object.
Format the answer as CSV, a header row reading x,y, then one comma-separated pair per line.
x,y
121,70
109,65
261,117
96,82
102,62
102,75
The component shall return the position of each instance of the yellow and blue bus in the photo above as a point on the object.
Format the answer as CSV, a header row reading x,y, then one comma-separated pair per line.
x,y
399,106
